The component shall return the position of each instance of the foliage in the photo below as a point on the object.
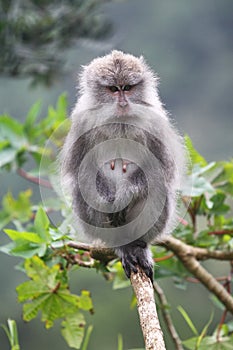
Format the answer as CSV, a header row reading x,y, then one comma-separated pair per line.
x,y
12,334
49,259
34,33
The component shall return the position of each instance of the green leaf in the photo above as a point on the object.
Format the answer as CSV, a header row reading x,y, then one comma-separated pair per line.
x,y
219,207
31,310
32,116
23,236
205,329
62,107
30,290
12,334
196,185
210,343
12,131
85,301
188,320
48,292
19,208
120,281
7,156
73,330
217,302
87,338
41,224
24,249
196,158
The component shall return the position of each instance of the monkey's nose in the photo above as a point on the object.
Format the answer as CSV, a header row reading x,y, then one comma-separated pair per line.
x,y
123,103
122,100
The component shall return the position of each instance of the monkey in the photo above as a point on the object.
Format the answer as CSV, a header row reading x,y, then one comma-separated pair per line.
x,y
123,160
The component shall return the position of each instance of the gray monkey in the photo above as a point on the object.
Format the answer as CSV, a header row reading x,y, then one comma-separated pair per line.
x,y
123,161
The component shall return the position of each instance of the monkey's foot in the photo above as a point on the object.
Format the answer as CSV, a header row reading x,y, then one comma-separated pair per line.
x,y
134,255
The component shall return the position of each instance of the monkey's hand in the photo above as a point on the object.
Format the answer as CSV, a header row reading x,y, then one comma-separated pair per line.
x,y
134,255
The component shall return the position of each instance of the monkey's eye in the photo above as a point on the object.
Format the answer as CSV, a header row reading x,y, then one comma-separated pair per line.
x,y
127,87
113,88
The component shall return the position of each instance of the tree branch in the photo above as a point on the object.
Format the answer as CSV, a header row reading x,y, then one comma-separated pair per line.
x,y
152,333
21,172
203,254
164,304
186,254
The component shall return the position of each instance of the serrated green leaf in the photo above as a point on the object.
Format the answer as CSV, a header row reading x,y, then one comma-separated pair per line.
x,y
38,271
47,292
31,309
30,290
73,330
54,308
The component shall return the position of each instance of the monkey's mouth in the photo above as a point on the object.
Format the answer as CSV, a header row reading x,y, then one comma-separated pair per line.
x,y
122,111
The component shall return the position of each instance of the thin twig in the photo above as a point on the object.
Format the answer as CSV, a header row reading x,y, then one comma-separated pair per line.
x,y
221,232
163,258
34,179
79,245
164,308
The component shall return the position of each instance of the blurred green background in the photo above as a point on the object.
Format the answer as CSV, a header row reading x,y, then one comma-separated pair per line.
x,y
189,44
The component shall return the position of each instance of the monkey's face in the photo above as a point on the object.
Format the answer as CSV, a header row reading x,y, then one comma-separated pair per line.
x,y
117,79
122,96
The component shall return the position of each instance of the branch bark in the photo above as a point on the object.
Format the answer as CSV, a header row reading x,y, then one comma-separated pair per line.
x,y
149,321
187,254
